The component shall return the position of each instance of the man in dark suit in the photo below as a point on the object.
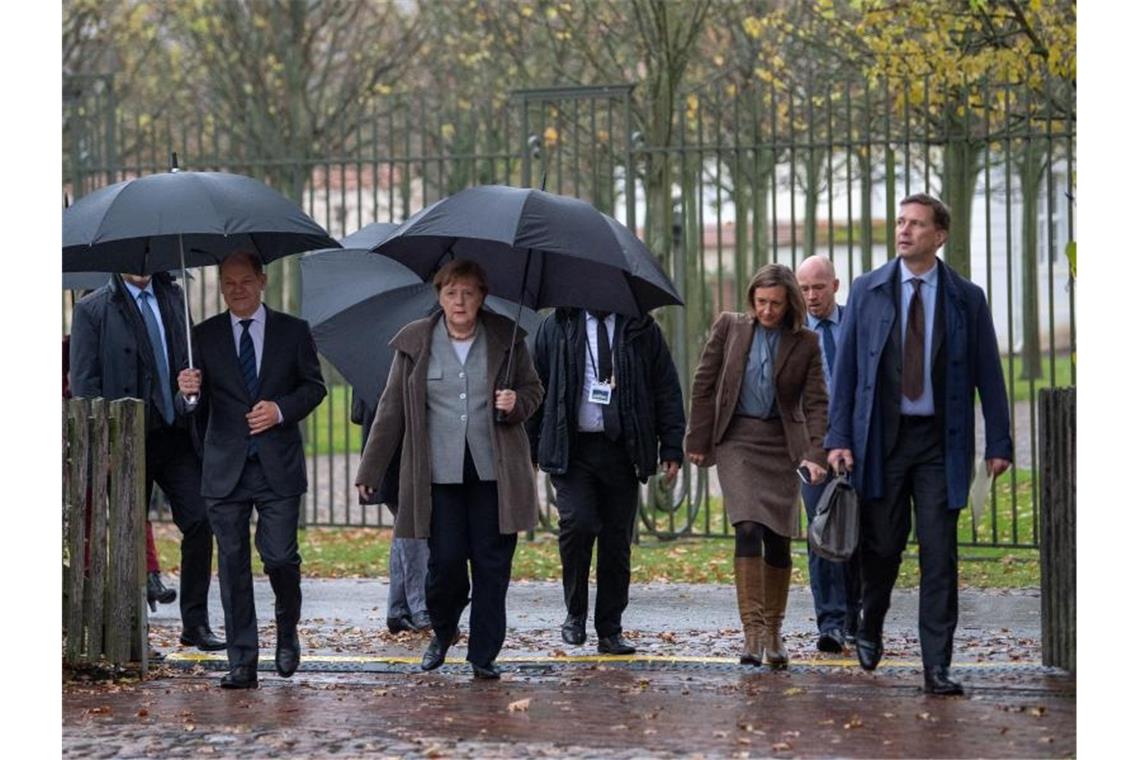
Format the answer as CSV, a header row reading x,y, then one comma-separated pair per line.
x,y
834,585
128,340
916,341
258,376
613,411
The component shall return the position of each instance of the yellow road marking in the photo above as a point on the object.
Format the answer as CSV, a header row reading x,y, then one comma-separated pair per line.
x,y
836,662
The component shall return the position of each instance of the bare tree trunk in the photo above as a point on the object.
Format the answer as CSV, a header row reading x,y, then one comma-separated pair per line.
x,y
959,178
1030,170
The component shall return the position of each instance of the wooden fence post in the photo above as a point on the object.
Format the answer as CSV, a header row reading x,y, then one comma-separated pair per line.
x,y
97,582
1057,415
77,480
126,617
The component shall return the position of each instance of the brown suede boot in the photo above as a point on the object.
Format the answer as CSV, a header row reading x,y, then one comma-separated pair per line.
x,y
775,585
750,599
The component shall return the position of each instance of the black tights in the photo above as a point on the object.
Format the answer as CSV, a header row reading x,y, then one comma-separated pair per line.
x,y
750,536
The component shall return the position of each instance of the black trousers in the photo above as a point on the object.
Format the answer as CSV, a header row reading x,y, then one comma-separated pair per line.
x,y
915,473
172,463
465,531
596,499
276,539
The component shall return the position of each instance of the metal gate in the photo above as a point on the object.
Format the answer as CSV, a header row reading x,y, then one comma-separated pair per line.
x,y
776,172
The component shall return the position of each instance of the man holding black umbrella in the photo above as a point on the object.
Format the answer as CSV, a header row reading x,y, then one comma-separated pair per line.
x,y
258,376
128,340
613,409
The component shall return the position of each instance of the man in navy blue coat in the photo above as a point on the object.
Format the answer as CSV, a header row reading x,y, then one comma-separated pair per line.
x,y
916,341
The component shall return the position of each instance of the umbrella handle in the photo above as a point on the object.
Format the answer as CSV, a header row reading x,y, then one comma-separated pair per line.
x,y
186,308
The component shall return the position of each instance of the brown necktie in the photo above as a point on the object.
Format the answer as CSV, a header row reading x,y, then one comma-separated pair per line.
x,y
914,348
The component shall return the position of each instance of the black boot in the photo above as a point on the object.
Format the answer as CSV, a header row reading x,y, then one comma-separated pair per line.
x,y
156,592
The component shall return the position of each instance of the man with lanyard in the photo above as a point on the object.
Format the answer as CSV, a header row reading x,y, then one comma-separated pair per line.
x,y
613,410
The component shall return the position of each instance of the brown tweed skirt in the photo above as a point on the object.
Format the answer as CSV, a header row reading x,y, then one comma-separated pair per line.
x,y
757,478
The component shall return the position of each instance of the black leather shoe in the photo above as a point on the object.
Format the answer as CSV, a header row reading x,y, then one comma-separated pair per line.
x,y
870,652
398,624
574,630
490,672
288,655
421,621
830,642
435,654
615,644
937,681
240,677
202,637
157,592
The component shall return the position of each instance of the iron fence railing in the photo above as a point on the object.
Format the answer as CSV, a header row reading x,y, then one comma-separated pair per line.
x,y
771,172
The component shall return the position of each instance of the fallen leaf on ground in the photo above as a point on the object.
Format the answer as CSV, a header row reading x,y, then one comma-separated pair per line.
x,y
521,705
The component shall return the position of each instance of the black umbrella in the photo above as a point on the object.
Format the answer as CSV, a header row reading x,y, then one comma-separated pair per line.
x,y
369,236
551,249
93,280
538,248
180,219
355,301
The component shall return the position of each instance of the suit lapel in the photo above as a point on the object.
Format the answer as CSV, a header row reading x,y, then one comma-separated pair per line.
x,y
270,356
784,346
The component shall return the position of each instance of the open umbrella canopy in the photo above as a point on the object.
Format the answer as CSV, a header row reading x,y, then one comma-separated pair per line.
x,y
369,236
145,225
356,301
92,280
547,249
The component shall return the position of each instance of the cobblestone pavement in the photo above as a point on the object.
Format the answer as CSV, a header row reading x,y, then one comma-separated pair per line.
x,y
359,691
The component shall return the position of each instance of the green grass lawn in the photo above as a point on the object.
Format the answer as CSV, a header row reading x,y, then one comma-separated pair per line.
x,y
327,429
1021,387
363,553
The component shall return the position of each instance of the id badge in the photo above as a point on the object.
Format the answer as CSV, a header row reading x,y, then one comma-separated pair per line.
x,y
600,393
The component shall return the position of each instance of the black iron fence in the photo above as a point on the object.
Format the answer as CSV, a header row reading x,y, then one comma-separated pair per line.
x,y
775,171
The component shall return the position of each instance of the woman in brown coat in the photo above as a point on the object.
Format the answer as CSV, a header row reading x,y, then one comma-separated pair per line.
x,y
466,482
759,411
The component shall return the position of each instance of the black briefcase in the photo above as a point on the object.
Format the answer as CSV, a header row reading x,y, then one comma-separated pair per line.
x,y
834,532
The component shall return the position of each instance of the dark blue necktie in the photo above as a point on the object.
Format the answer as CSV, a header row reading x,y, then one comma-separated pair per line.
x,y
248,361
828,344
155,334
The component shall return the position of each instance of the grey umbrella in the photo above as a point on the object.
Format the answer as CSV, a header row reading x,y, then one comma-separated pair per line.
x,y
179,219
369,236
355,301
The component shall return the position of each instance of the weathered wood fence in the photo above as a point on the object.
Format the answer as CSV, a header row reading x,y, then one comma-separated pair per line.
x,y
104,590
1057,412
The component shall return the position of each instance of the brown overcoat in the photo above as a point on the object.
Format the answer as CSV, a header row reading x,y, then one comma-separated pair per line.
x,y
401,419
801,393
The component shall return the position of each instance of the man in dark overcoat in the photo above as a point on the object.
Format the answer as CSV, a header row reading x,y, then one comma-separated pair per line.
x,y
916,342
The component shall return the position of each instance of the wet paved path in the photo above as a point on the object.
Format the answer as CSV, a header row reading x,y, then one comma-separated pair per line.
x,y
358,691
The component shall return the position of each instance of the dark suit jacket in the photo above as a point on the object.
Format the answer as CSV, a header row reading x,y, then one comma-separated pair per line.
x,y
110,352
866,380
290,376
801,394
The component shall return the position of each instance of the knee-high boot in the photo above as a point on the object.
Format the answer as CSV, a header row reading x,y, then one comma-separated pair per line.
x,y
750,601
775,588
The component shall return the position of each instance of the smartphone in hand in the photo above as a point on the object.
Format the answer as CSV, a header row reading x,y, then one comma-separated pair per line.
x,y
804,473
